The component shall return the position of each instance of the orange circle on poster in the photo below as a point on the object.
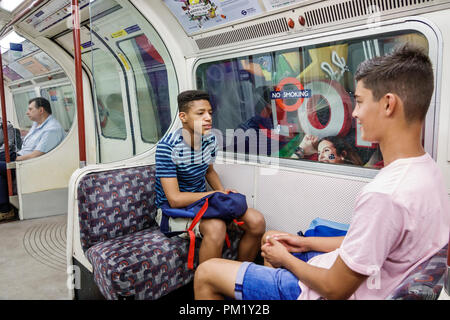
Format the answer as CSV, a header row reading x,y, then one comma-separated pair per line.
x,y
279,87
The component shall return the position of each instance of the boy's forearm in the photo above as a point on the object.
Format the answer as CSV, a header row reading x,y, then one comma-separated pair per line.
x,y
337,282
324,244
34,154
311,276
183,199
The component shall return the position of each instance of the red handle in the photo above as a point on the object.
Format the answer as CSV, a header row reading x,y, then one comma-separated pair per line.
x,y
196,219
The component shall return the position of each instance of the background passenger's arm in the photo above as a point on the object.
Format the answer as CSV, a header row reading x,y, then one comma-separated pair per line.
x,y
34,154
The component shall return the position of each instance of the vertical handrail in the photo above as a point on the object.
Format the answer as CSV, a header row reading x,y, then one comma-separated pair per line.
x,y
79,82
5,128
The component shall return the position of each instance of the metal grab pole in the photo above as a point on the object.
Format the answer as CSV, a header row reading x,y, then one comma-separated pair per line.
x,y
5,128
79,82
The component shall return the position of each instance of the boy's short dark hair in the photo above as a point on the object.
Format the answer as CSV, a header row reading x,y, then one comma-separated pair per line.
x,y
42,103
407,72
186,97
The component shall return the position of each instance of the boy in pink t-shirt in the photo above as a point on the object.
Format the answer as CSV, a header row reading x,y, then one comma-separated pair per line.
x,y
394,227
400,219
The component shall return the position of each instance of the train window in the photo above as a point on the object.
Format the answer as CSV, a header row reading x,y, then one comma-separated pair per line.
x,y
130,63
109,94
296,103
21,103
62,103
152,89
34,69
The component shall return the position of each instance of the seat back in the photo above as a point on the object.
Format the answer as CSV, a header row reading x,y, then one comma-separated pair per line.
x,y
425,282
116,202
17,139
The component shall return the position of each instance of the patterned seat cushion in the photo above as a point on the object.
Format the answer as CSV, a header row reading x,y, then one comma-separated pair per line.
x,y
120,238
145,264
115,203
425,282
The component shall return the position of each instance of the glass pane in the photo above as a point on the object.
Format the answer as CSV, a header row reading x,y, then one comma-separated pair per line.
x,y
27,62
152,88
62,103
274,103
33,63
144,76
21,104
108,93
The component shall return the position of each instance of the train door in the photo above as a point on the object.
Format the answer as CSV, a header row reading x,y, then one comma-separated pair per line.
x,y
150,76
134,80
113,118
113,127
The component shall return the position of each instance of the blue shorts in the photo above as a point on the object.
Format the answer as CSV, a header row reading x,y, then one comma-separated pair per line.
x,y
256,282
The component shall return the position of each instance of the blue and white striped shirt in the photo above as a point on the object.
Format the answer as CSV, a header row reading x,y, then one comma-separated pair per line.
x,y
175,158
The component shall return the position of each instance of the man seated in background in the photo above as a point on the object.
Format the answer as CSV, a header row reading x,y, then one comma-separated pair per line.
x,y
45,134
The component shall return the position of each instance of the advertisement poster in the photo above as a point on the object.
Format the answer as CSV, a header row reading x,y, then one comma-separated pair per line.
x,y
197,15
277,4
10,74
46,61
20,70
34,66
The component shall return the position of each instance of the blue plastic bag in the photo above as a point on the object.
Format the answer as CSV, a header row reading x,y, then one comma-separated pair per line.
x,y
325,228
321,228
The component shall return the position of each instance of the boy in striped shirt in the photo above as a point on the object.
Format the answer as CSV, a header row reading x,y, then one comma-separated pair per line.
x,y
184,162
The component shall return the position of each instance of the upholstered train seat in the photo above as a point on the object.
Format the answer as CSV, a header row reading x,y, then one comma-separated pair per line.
x,y
129,255
426,281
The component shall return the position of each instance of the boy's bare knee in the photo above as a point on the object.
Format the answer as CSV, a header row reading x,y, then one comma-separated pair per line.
x,y
205,271
213,229
256,224
260,223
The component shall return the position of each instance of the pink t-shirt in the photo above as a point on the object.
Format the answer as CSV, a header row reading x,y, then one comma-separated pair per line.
x,y
400,220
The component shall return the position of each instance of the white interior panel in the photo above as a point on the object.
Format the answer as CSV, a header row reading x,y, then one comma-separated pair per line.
x,y
238,177
290,200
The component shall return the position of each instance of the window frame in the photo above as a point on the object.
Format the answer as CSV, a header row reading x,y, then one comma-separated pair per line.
x,y
425,27
121,74
148,29
61,83
132,68
20,91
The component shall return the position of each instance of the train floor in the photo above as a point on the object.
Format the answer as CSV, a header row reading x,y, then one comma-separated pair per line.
x,y
32,259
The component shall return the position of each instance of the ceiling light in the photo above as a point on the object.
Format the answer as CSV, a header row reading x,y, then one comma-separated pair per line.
x,y
10,5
